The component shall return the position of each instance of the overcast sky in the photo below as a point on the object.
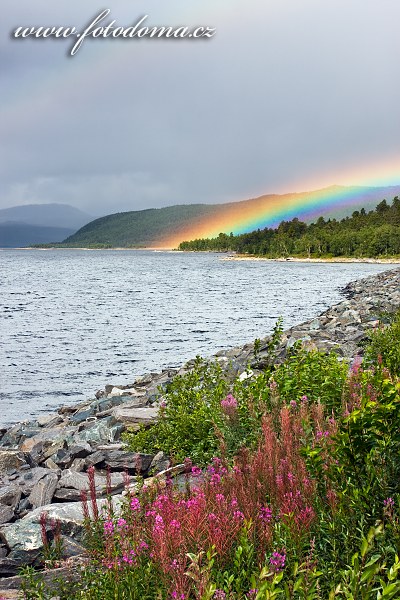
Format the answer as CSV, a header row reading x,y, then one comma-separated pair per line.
x,y
288,95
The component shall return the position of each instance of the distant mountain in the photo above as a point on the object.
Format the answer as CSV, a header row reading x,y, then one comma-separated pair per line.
x,y
20,235
47,215
167,227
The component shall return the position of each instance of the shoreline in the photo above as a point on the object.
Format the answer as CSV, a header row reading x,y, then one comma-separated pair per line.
x,y
338,259
227,256
44,462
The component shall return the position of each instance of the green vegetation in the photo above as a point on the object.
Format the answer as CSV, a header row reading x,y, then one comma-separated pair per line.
x,y
137,228
372,234
300,501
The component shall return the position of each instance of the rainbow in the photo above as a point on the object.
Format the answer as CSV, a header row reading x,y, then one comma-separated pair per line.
x,y
270,210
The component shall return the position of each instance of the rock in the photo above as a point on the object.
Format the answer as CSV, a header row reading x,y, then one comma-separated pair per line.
x,y
50,464
102,431
25,542
118,460
10,495
6,514
78,464
11,459
159,463
130,414
80,451
71,547
71,484
13,436
43,491
82,416
95,458
28,480
62,458
41,436
9,566
10,587
49,420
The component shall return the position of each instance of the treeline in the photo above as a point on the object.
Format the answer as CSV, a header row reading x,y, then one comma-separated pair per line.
x,y
365,234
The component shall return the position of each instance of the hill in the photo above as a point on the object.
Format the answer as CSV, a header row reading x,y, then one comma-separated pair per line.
x,y
167,227
46,215
375,233
20,235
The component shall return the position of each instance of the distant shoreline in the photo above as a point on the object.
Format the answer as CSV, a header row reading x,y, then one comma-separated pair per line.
x,y
338,259
228,256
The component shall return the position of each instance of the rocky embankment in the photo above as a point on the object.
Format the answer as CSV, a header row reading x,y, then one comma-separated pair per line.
x,y
44,463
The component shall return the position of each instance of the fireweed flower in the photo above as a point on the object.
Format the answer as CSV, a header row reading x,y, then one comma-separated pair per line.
x,y
121,523
293,403
229,406
219,595
265,514
135,504
196,471
252,593
158,524
108,527
277,561
238,515
388,506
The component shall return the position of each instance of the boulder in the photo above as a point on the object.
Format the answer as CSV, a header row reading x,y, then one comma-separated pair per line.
x,y
28,480
6,514
49,420
24,541
118,460
159,463
11,460
43,491
101,431
72,483
128,414
10,495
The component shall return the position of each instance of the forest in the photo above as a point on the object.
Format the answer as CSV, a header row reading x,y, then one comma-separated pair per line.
x,y
365,234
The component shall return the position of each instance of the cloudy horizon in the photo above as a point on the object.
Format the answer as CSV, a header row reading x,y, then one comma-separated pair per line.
x,y
284,98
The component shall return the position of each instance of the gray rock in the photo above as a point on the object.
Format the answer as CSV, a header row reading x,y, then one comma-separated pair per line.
x,y
72,484
78,464
95,458
119,460
43,491
80,451
24,540
159,463
49,420
11,459
10,495
131,414
28,480
9,566
102,431
6,514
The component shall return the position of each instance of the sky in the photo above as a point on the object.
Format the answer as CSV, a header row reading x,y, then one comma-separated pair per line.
x,y
288,95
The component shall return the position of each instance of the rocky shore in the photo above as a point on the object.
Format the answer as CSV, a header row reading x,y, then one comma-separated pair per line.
x,y
44,463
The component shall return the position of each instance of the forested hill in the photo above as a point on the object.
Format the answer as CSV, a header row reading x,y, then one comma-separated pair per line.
x,y
365,234
167,227
138,228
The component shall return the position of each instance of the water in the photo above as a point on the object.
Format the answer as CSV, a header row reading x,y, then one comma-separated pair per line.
x,y
72,321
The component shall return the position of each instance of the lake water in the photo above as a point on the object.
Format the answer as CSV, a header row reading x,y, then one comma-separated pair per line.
x,y
72,321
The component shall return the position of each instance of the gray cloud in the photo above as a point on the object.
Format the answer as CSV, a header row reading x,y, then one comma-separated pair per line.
x,y
286,93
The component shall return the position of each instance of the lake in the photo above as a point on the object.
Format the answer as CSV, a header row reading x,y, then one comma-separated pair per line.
x,y
73,321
